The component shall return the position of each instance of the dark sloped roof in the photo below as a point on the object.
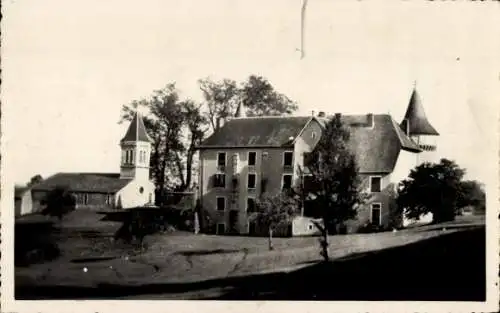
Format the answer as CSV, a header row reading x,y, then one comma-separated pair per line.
x,y
19,190
377,149
136,130
84,182
257,132
415,116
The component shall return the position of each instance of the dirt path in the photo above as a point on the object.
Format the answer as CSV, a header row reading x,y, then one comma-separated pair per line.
x,y
183,264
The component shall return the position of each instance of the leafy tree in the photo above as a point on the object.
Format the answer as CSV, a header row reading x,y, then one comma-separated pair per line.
x,y
59,202
432,188
226,98
222,100
175,127
334,182
260,98
472,194
276,210
35,180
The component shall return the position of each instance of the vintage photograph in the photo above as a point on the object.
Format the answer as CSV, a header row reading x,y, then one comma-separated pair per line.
x,y
332,151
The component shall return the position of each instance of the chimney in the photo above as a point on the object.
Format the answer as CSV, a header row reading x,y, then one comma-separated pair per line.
x,y
370,119
321,114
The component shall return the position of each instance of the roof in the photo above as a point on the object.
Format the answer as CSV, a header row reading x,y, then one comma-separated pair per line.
x,y
84,182
136,130
272,131
416,117
377,149
19,191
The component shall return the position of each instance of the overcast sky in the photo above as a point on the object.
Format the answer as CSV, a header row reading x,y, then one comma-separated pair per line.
x,y
69,66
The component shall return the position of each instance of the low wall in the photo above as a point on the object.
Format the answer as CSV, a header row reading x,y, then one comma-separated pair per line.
x,y
304,226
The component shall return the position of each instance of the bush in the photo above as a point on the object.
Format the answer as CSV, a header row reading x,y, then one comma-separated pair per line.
x,y
370,228
34,243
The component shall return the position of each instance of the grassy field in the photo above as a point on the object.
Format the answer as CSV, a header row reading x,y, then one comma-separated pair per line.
x,y
90,259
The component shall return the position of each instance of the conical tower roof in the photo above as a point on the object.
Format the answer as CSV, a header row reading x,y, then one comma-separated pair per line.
x,y
136,130
415,116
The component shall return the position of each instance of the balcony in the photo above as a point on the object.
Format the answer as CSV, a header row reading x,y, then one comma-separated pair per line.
x,y
427,147
288,168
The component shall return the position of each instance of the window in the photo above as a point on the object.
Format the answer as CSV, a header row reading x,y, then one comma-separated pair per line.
x,y
308,158
131,157
251,207
251,181
375,184
313,135
308,183
108,199
252,158
220,180
221,204
221,159
221,228
287,181
288,158
85,198
376,213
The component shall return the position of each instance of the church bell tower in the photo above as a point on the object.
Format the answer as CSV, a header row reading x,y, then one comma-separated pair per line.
x,y
136,151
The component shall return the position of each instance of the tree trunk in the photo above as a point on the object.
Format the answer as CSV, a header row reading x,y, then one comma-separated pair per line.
x,y
271,239
196,223
324,241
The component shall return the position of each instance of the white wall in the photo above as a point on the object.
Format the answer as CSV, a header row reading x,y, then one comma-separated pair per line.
x,y
303,226
405,163
130,195
26,203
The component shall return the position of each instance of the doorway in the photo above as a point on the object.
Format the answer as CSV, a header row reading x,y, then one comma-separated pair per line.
x,y
233,221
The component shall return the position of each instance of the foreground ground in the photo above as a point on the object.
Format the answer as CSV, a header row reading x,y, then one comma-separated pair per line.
x,y
423,263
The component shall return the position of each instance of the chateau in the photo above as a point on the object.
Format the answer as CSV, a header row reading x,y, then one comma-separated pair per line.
x,y
252,155
130,187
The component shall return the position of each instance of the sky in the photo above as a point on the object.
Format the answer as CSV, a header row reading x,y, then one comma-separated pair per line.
x,y
69,66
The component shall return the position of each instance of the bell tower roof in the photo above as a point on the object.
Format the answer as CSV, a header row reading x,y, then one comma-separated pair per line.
x,y
136,130
416,118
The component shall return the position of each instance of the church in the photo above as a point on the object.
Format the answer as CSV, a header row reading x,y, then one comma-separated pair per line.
x,y
129,188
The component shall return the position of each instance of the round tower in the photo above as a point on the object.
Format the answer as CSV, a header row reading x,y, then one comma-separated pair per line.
x,y
419,129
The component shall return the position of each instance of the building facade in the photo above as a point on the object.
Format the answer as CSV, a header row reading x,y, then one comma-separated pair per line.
x,y
251,156
131,187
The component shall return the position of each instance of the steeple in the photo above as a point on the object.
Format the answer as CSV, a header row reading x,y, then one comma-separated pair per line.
x,y
415,121
136,130
240,111
136,150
